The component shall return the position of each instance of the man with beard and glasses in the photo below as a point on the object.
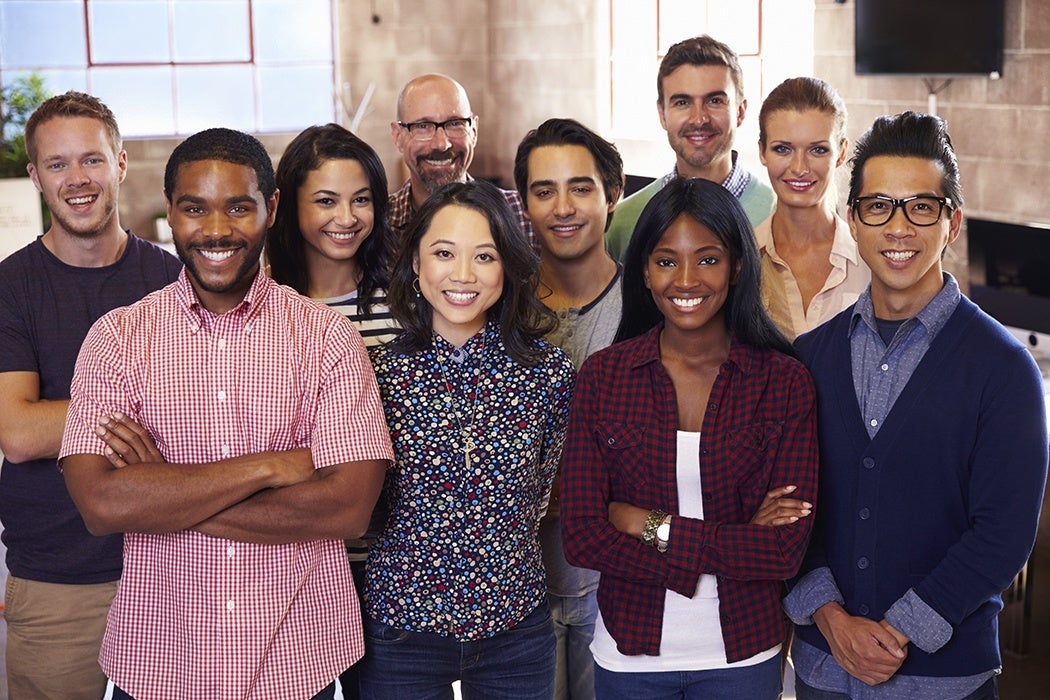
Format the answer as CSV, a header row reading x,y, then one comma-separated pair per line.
x,y
435,133
700,102
232,429
62,578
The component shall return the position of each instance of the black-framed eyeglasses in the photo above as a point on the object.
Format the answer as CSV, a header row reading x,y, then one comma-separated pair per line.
x,y
920,210
455,127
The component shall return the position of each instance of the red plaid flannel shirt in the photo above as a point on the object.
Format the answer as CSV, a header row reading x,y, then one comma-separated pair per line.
x,y
401,209
759,432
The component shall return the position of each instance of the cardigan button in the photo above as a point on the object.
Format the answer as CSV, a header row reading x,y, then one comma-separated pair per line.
x,y
863,563
864,513
868,463
863,609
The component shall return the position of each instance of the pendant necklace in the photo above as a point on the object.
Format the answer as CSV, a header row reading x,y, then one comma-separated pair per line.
x,y
464,430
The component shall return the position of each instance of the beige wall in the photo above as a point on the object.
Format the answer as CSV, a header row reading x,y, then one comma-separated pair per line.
x,y
524,62
519,62
1000,128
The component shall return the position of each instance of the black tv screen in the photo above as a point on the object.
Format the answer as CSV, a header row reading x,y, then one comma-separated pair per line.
x,y
1010,272
929,37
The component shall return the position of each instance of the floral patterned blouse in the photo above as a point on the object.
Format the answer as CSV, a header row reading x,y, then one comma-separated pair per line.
x,y
477,439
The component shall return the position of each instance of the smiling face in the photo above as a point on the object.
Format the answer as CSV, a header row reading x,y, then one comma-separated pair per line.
x,y
700,113
689,274
336,210
566,202
79,174
905,259
801,154
439,160
218,220
460,272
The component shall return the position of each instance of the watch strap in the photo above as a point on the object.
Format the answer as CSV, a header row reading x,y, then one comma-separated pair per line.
x,y
652,521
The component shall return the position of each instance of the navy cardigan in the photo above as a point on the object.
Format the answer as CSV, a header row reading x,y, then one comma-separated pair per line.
x,y
951,485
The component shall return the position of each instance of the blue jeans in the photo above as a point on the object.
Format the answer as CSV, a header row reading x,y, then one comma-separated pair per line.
x,y
574,629
759,682
987,691
514,665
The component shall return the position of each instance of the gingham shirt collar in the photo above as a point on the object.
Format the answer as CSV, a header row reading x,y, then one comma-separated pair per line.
x,y
736,182
197,316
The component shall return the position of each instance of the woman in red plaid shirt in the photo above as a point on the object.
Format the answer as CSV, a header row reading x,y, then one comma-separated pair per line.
x,y
684,442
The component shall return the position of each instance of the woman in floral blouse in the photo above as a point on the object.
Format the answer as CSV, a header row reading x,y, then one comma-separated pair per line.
x,y
477,405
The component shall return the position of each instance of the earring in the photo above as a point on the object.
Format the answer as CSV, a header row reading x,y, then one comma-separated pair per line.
x,y
415,287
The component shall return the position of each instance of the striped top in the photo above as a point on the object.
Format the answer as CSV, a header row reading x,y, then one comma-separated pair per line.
x,y
377,326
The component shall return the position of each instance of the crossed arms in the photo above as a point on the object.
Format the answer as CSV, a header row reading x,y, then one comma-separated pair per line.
x,y
268,497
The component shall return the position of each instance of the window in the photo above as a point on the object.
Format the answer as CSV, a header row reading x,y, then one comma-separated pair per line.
x,y
774,40
170,67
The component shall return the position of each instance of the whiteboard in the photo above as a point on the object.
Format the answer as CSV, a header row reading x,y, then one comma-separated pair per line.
x,y
20,217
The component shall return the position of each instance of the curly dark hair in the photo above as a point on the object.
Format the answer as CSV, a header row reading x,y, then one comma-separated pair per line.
x,y
225,145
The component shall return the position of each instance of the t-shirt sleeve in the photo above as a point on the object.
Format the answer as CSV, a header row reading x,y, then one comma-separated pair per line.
x,y
17,353
98,389
350,425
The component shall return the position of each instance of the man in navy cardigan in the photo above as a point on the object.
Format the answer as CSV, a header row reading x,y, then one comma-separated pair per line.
x,y
933,445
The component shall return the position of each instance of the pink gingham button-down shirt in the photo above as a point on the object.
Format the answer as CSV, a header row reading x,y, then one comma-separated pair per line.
x,y
203,617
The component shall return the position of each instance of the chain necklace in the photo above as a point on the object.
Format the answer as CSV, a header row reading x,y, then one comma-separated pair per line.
x,y
450,399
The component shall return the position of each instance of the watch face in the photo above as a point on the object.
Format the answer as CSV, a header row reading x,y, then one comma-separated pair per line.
x,y
664,531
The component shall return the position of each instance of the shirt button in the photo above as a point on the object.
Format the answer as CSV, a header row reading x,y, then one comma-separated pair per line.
x,y
221,395
862,563
884,367
221,343
863,609
229,553
874,423
712,406
865,513
612,441
868,463
229,605
225,450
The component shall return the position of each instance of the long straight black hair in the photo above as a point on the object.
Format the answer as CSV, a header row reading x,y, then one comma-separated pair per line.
x,y
716,208
522,318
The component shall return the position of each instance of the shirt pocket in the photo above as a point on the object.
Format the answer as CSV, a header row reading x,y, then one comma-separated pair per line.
x,y
751,456
622,451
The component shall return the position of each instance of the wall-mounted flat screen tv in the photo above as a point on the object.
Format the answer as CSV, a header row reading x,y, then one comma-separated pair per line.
x,y
929,37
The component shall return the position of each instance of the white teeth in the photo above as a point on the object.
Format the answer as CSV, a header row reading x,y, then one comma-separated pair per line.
x,y
446,161
798,183
899,255
461,297
688,303
216,255
81,200
341,236
566,229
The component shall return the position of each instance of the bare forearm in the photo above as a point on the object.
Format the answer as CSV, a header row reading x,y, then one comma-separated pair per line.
x,y
161,497
332,504
32,430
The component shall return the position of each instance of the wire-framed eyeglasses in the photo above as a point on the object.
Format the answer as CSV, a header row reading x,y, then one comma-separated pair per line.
x,y
920,210
456,127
